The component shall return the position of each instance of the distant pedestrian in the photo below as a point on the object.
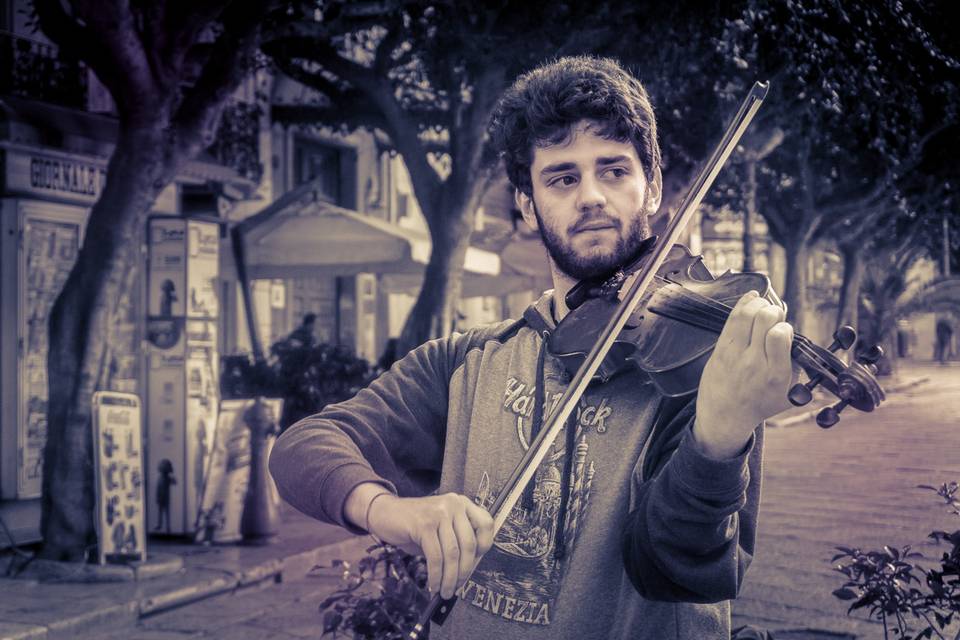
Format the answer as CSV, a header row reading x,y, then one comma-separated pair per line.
x,y
166,481
943,350
304,333
389,355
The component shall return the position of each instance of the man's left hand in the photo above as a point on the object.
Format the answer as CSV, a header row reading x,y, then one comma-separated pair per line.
x,y
746,379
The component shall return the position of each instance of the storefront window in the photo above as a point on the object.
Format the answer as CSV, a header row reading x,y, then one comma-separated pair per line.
x,y
313,160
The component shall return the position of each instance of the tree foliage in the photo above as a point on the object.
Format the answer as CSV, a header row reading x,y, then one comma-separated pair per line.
x,y
169,67
860,90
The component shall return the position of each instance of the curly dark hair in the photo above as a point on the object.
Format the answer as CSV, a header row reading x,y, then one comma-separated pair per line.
x,y
544,104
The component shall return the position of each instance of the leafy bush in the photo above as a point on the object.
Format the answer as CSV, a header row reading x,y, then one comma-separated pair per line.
x,y
307,376
313,376
899,592
381,597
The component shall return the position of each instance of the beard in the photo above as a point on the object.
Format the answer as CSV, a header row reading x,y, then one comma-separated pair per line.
x,y
583,267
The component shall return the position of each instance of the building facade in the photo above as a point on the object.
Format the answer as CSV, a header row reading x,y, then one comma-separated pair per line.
x,y
57,130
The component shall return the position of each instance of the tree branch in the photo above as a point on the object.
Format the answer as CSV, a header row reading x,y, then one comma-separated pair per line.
x,y
765,144
79,39
810,219
776,222
225,68
380,92
849,203
352,102
354,118
315,80
183,33
388,44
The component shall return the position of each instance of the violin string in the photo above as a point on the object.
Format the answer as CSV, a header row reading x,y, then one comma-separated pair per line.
x,y
712,302
804,346
690,315
719,312
716,305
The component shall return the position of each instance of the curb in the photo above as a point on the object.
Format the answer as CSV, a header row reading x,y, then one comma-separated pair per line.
x,y
115,615
52,571
293,567
812,413
810,634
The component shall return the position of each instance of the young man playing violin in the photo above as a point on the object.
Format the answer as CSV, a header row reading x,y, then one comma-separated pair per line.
x,y
641,521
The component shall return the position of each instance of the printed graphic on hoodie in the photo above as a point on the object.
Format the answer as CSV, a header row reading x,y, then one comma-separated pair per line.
x,y
519,578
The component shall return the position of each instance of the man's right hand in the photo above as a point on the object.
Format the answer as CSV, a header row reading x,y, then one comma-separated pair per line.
x,y
449,530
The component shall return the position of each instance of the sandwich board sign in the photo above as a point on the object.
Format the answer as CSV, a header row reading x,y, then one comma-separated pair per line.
x,y
118,460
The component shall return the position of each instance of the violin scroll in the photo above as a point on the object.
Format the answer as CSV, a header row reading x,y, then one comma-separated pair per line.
x,y
801,394
853,384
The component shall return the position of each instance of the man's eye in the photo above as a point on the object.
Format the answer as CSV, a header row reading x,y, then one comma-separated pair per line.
x,y
563,181
617,172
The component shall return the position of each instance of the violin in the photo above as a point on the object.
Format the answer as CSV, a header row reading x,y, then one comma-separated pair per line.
x,y
671,334
681,300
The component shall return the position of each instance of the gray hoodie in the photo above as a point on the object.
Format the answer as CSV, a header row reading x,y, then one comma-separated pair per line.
x,y
627,531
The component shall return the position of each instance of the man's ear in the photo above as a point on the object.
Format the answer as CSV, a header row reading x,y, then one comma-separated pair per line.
x,y
655,190
526,206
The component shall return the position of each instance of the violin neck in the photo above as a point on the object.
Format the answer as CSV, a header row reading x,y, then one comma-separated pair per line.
x,y
699,311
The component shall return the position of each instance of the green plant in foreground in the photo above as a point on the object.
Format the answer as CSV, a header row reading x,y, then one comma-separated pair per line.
x,y
381,597
899,592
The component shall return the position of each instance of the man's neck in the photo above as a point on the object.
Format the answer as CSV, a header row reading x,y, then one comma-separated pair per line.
x,y
562,283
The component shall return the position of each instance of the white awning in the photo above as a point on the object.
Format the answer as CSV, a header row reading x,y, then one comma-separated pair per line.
x,y
322,239
303,235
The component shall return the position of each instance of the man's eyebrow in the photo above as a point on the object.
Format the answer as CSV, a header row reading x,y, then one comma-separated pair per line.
x,y
557,167
612,160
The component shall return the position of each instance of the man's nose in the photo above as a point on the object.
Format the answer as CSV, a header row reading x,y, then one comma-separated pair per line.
x,y
590,195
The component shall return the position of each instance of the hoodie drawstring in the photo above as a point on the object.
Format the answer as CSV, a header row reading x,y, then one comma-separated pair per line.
x,y
560,540
539,398
570,430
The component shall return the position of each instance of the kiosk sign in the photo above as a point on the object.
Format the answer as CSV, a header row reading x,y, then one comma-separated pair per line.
x,y
119,471
63,176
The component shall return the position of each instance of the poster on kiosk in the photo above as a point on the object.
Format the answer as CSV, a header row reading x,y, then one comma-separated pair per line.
x,y
183,387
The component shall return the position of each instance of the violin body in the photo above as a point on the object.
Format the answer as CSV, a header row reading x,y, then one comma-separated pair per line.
x,y
672,332
674,359
659,338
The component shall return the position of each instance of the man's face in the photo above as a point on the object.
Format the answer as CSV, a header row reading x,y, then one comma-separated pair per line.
x,y
591,202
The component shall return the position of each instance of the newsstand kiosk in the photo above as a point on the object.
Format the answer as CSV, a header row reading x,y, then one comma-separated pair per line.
x,y
182,371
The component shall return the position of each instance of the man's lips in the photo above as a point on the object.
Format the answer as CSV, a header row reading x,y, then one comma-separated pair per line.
x,y
594,225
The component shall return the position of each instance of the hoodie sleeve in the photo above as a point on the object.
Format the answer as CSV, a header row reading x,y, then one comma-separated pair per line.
x,y
691,531
391,432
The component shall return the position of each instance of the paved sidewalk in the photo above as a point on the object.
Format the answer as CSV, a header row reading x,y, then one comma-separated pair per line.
x,y
853,484
49,611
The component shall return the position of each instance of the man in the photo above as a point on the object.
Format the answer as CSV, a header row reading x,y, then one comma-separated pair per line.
x,y
942,348
641,521
303,336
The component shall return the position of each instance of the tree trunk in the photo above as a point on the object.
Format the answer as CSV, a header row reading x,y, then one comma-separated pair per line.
x,y
434,313
796,282
853,269
749,214
79,326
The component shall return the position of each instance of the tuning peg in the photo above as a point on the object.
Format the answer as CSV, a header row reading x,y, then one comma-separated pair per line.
x,y
843,338
871,355
829,416
801,394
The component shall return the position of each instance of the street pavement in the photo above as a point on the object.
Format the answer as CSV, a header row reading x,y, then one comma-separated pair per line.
x,y
853,485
